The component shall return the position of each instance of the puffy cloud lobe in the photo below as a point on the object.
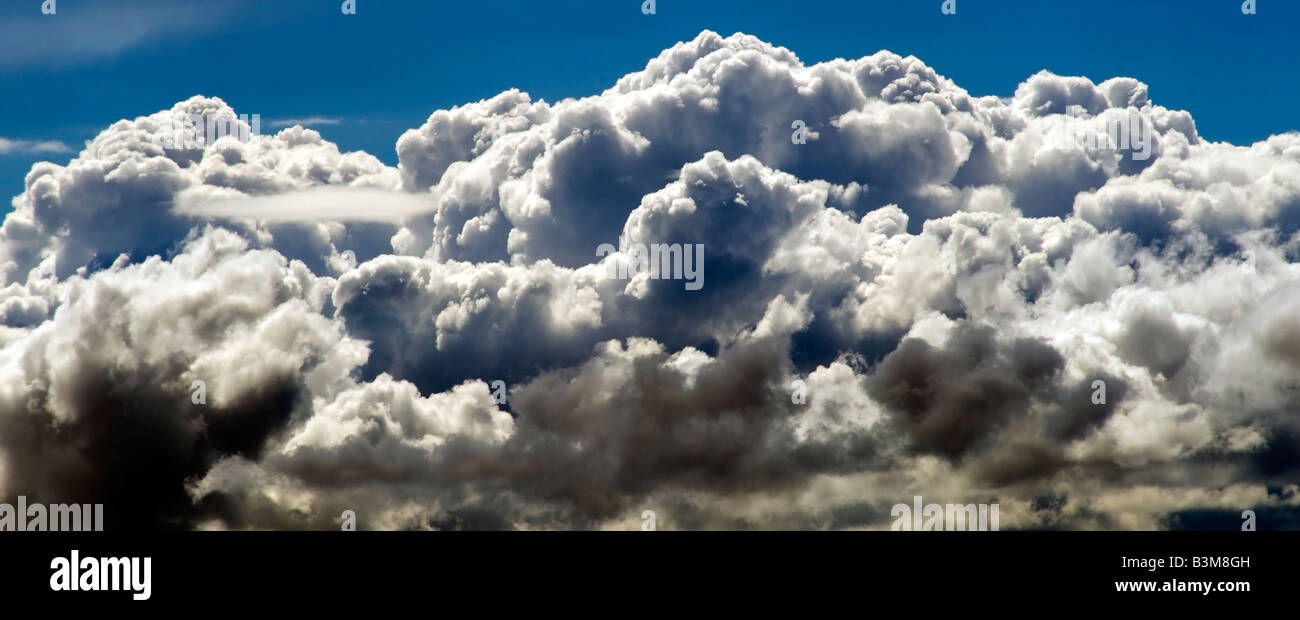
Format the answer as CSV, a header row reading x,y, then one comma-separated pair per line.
x,y
119,195
99,403
944,275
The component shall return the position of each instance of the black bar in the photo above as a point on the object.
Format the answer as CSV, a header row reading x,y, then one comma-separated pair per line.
x,y
226,571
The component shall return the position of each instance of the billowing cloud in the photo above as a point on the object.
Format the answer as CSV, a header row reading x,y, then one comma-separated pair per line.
x,y
931,293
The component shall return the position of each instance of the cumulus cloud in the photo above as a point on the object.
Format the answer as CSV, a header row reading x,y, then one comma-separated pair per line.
x,y
922,299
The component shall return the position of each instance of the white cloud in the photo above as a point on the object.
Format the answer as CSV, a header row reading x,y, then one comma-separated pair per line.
x,y
325,203
306,121
32,147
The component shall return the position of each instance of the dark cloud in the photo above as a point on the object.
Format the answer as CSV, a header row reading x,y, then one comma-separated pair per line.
x,y
952,397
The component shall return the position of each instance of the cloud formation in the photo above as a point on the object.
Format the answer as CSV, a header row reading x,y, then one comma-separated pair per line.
x,y
306,122
323,203
8,146
85,32
436,345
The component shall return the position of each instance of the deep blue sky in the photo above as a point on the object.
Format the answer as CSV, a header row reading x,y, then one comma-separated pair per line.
x,y
385,69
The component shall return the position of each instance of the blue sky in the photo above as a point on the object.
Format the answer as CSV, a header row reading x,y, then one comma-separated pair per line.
x,y
64,77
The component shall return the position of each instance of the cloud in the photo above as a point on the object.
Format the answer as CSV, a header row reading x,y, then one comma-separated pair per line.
x,y
32,147
85,32
324,203
936,296
306,122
